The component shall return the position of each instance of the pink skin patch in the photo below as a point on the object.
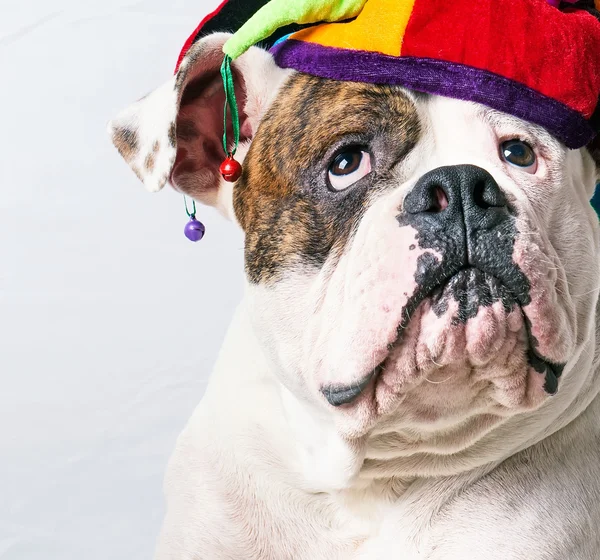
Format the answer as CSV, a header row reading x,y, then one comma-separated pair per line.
x,y
552,323
365,297
433,368
362,305
443,370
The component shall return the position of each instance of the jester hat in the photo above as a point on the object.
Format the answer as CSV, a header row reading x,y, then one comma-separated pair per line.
x,y
538,60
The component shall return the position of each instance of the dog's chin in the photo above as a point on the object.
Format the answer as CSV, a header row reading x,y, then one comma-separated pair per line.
x,y
465,350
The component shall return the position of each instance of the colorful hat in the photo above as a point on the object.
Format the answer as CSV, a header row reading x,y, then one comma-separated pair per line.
x,y
538,60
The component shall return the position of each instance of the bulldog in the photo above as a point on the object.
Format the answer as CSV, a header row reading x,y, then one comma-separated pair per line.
x,y
413,370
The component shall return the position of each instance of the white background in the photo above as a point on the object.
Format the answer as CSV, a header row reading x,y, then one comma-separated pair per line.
x,y
110,319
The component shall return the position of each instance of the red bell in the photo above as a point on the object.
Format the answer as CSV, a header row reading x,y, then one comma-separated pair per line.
x,y
231,169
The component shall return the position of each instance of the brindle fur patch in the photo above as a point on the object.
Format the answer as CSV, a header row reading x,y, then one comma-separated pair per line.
x,y
126,142
282,200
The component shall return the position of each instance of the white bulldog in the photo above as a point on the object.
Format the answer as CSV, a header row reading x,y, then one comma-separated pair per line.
x,y
413,371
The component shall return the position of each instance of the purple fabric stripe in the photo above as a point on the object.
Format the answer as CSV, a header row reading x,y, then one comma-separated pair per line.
x,y
440,78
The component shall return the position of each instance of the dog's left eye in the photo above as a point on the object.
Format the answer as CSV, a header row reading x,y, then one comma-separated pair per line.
x,y
348,167
519,154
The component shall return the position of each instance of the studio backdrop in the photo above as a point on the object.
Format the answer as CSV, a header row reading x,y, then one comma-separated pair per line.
x,y
110,319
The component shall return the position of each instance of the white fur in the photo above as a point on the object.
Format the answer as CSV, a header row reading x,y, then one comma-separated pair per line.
x,y
524,486
267,470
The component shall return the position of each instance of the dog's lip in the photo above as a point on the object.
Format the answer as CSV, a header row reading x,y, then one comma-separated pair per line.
x,y
338,395
552,370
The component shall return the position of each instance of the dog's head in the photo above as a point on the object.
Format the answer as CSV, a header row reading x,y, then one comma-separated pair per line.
x,y
408,256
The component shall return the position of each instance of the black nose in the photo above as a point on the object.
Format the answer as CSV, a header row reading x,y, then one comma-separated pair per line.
x,y
460,201
458,192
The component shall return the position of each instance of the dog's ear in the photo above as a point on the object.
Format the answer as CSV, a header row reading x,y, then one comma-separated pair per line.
x,y
175,133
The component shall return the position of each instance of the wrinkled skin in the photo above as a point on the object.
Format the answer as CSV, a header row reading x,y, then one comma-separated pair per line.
x,y
413,348
385,297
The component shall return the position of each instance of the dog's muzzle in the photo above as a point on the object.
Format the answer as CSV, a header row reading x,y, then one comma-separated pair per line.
x,y
461,214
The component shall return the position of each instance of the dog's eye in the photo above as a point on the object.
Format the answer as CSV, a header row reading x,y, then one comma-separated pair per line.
x,y
519,154
348,167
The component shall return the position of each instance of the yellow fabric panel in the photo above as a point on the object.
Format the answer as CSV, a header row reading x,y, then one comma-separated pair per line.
x,y
370,31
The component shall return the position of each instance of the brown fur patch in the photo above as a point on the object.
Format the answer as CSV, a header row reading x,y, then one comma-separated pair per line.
x,y
149,163
283,201
173,135
126,142
150,158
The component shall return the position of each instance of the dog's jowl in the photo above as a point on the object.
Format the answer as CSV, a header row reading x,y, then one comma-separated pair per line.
x,y
412,372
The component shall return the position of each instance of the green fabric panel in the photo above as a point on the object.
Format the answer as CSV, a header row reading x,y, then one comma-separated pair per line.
x,y
278,13
231,102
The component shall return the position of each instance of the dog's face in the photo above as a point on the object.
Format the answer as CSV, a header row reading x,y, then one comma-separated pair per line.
x,y
415,253
407,255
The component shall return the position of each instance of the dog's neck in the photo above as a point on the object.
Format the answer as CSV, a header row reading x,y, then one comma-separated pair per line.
x,y
391,454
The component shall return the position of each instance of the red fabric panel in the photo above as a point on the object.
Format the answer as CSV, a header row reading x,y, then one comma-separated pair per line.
x,y
549,50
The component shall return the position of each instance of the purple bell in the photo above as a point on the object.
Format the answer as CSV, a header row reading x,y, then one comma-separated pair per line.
x,y
194,230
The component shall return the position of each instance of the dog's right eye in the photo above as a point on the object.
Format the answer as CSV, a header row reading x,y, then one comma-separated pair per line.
x,y
348,167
